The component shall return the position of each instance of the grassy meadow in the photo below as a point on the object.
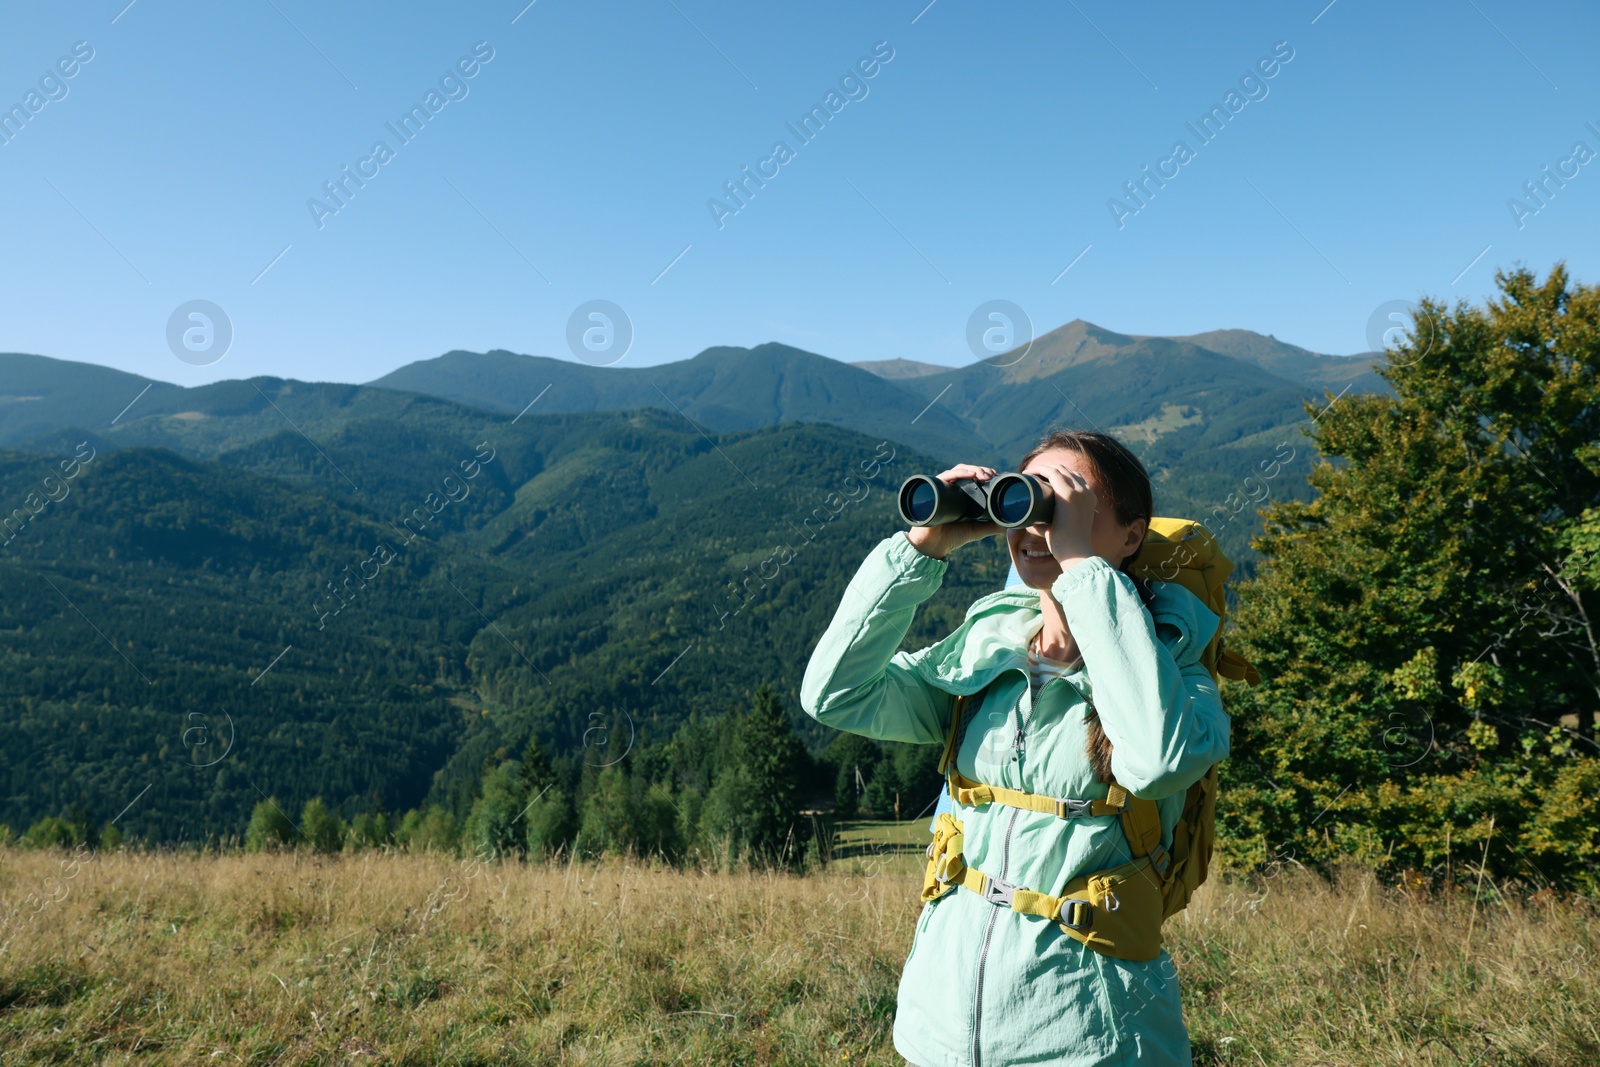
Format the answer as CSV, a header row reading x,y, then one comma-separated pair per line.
x,y
395,958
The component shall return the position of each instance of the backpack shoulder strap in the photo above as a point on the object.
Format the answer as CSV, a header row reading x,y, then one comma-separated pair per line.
x,y
1141,824
948,757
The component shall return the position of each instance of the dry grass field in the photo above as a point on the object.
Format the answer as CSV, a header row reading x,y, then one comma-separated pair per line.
x,y
390,958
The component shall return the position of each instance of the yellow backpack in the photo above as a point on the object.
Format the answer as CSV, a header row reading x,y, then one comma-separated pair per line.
x,y
1118,911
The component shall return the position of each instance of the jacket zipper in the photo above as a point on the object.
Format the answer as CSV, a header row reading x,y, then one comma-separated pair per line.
x,y
983,951
994,914
1005,866
1019,741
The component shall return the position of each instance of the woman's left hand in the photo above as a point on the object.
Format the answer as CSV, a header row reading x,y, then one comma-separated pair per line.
x,y
1069,534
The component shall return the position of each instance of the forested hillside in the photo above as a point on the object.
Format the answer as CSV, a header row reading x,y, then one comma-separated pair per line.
x,y
374,645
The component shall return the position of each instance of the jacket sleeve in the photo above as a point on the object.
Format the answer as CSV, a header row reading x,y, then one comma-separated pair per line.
x,y
1158,704
855,680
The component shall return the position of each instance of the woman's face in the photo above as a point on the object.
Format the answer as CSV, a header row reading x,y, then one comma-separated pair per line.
x,y
1112,541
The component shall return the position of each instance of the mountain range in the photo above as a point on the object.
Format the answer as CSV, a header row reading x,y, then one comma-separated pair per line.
x,y
365,591
1209,402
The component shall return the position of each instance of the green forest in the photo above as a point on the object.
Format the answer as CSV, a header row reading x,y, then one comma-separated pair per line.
x,y
436,627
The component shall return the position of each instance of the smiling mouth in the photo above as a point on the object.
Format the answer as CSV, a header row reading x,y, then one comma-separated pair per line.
x,y
1031,554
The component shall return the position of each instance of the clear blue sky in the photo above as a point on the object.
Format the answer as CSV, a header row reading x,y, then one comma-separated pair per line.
x,y
978,165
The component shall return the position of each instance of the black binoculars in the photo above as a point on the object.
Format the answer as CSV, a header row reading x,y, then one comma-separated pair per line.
x,y
1010,499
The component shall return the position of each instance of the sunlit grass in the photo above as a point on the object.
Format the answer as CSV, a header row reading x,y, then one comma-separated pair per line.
x,y
421,959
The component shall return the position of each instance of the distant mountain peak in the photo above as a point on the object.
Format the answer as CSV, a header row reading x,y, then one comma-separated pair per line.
x,y
1069,345
764,350
894,369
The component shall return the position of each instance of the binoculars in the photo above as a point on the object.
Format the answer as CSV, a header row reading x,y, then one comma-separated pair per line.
x,y
1010,499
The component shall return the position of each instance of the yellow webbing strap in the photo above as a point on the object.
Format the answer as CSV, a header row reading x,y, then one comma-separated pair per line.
x,y
1141,821
964,790
1116,912
947,759
1141,824
1028,901
944,857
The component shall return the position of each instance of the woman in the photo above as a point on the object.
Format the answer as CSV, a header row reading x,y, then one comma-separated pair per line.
x,y
984,985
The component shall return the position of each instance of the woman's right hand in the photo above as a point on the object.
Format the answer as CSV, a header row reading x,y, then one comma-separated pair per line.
x,y
939,541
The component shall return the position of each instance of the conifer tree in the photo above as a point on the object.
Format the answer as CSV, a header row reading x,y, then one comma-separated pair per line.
x,y
754,802
550,820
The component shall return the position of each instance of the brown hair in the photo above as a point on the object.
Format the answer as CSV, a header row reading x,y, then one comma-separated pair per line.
x,y
1119,473
1126,482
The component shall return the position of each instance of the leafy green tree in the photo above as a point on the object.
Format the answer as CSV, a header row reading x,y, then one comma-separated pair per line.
x,y
50,832
690,805
269,827
370,829
494,826
610,816
430,828
551,822
726,825
658,832
1425,626
324,830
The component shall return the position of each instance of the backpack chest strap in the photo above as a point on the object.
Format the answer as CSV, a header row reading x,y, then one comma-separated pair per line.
x,y
1141,820
964,790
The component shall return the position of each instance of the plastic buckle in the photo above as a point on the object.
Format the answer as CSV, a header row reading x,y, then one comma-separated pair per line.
x,y
1081,910
1073,809
998,893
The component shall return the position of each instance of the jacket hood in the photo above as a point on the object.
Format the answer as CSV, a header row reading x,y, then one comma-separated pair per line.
x,y
994,636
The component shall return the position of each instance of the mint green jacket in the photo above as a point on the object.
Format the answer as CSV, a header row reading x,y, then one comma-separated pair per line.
x,y
985,986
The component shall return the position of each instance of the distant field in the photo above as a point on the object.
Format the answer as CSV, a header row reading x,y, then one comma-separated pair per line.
x,y
385,958
864,846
